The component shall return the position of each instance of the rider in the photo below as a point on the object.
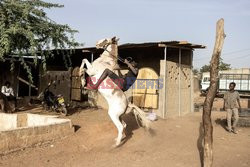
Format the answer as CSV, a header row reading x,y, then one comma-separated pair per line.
x,y
124,81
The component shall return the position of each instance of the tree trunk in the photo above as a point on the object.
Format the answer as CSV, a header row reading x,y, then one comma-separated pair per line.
x,y
207,123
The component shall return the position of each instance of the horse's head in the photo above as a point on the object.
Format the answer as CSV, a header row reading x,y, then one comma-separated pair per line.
x,y
104,43
108,59
110,46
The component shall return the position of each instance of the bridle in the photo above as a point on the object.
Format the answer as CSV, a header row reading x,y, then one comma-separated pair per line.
x,y
118,57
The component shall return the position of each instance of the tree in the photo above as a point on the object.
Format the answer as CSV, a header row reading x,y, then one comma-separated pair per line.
x,y
205,68
26,30
206,115
222,66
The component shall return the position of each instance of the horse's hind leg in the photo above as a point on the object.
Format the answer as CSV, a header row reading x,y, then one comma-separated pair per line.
x,y
123,123
119,126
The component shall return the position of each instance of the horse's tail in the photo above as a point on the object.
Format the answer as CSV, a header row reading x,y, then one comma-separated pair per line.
x,y
140,116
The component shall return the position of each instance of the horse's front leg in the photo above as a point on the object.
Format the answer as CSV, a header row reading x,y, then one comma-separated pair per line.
x,y
82,70
90,70
88,64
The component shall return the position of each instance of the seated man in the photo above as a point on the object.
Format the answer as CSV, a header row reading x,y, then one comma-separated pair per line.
x,y
7,90
124,82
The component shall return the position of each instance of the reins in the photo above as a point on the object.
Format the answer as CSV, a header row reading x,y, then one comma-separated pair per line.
x,y
118,57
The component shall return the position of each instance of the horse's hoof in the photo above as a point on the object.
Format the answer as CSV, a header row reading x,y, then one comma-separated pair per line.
x,y
116,145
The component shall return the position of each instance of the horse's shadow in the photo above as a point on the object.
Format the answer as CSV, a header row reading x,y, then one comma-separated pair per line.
x,y
132,125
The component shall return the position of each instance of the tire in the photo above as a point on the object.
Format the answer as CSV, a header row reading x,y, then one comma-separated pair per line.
x,y
64,111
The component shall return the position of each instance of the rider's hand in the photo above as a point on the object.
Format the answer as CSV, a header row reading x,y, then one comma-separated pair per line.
x,y
126,61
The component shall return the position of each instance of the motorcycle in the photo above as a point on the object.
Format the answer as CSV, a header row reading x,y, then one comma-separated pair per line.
x,y
53,102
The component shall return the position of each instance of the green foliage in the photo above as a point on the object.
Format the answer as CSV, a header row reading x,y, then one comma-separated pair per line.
x,y
195,71
26,30
205,68
222,66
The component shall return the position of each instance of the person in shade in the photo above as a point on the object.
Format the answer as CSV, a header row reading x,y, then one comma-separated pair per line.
x,y
7,90
124,82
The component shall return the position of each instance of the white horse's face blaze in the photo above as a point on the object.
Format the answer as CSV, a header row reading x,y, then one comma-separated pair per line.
x,y
102,43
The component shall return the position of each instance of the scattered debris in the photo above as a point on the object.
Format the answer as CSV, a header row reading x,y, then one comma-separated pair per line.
x,y
152,116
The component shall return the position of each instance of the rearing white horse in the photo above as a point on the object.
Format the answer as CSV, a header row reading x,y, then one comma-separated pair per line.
x,y
116,98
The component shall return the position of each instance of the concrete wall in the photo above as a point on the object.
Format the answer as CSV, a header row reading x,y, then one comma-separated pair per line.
x,y
186,99
196,83
161,112
24,130
38,120
236,71
8,121
172,90
219,102
176,96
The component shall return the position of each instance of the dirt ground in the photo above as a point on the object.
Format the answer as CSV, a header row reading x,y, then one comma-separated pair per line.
x,y
174,142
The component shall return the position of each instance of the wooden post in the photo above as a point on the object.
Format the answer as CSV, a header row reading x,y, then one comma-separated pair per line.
x,y
165,84
179,84
207,123
191,83
29,89
17,88
92,57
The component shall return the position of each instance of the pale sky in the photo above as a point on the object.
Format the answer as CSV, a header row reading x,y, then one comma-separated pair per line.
x,y
137,21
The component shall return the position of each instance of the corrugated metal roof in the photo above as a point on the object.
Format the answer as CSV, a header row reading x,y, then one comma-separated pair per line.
x,y
163,44
180,44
